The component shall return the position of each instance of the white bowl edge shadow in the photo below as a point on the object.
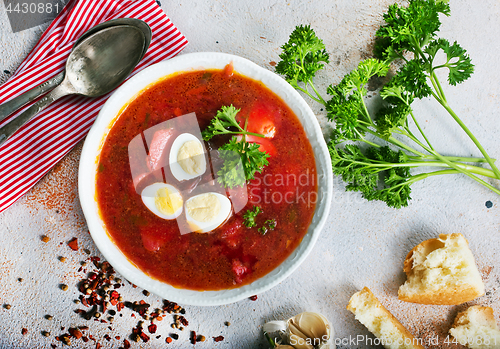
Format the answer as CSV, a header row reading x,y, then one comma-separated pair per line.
x,y
98,133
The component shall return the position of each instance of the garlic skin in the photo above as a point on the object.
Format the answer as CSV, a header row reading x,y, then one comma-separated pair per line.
x,y
309,330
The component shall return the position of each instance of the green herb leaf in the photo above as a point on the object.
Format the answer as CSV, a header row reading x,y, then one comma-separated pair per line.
x,y
407,28
303,55
220,124
457,60
269,224
241,161
250,215
346,107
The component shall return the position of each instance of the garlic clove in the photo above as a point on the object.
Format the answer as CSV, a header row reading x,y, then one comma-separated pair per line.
x,y
308,330
313,325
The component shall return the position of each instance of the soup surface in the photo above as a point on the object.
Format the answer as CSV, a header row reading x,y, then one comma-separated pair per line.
x,y
232,254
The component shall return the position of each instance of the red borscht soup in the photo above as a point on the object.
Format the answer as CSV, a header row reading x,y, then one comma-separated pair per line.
x,y
278,205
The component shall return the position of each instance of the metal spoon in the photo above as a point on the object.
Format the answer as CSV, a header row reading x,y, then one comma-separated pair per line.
x,y
97,65
9,107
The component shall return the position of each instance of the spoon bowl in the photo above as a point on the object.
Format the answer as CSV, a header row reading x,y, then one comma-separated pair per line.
x,y
102,61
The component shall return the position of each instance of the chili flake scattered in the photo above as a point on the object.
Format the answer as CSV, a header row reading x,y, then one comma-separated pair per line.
x,y
218,338
73,244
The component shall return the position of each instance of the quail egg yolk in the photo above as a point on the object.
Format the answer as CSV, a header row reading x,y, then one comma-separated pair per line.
x,y
203,208
190,157
167,202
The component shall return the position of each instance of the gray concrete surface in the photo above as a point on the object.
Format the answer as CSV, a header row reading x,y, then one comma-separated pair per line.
x,y
363,243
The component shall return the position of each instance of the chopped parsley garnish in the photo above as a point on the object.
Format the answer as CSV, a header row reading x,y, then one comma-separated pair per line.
x,y
250,215
270,224
242,159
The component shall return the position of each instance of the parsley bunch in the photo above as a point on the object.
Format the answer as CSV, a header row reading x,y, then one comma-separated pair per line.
x,y
391,144
242,159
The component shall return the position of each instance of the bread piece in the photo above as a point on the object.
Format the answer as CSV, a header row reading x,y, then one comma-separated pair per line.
x,y
441,271
476,328
368,310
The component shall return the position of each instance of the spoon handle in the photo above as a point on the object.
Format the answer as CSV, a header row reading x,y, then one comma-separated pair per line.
x,y
11,106
10,128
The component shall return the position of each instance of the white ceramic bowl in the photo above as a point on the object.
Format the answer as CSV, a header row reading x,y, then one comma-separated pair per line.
x,y
97,136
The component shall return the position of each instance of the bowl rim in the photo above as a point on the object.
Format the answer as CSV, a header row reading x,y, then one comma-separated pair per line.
x,y
105,120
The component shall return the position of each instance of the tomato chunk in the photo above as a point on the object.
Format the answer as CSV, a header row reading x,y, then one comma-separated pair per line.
x,y
265,144
154,238
158,148
261,120
240,270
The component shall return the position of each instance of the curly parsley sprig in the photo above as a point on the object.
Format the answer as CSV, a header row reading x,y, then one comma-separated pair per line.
x,y
224,123
242,159
410,30
303,55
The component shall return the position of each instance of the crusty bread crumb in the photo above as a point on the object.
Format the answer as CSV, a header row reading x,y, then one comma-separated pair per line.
x,y
476,328
368,310
441,271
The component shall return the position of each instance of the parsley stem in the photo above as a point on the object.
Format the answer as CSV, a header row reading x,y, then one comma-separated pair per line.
x,y
383,166
458,167
309,94
421,132
451,158
435,82
472,137
322,101
245,133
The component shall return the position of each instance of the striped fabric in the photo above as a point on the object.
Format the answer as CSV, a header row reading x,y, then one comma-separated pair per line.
x,y
29,154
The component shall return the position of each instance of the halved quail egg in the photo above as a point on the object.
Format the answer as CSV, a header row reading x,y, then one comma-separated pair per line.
x,y
187,157
205,212
164,200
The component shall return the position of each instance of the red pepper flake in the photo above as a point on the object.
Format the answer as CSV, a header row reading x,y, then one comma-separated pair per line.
x,y
117,338
144,336
126,344
75,332
73,244
193,337
218,339
183,320
168,340
24,331
107,337
85,339
120,306
152,328
106,267
253,298
98,345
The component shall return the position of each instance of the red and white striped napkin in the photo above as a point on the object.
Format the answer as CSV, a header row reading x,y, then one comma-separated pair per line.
x,y
29,154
